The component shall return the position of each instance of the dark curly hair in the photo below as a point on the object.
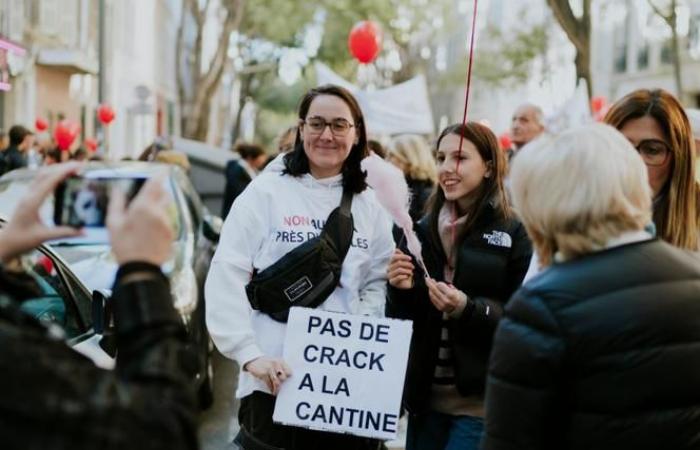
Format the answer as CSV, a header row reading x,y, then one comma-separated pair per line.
x,y
297,163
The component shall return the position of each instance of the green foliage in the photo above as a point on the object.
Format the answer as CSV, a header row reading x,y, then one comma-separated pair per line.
x,y
268,125
405,24
277,21
507,60
273,95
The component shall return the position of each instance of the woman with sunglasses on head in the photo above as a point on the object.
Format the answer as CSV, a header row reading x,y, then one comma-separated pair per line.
x,y
657,126
279,211
476,253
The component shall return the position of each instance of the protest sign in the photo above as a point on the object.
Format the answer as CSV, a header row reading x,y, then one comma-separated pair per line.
x,y
347,373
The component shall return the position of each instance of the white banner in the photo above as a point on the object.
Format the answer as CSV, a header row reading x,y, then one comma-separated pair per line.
x,y
402,108
347,373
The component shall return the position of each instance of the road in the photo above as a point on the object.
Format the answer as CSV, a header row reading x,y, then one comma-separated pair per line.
x,y
218,425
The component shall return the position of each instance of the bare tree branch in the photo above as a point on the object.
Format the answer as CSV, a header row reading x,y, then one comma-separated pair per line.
x,y
579,33
667,18
179,52
197,121
565,16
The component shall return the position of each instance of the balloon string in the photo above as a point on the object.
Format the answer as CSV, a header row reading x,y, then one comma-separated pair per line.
x,y
464,122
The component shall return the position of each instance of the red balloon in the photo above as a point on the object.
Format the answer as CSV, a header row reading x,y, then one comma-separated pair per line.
x,y
90,144
40,124
65,133
45,262
105,113
365,41
598,103
504,141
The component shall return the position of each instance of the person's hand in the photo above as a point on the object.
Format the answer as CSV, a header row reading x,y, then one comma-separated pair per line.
x,y
444,297
141,231
25,230
400,271
272,371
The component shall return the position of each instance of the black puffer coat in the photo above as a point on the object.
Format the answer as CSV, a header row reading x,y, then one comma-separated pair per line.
x,y
602,352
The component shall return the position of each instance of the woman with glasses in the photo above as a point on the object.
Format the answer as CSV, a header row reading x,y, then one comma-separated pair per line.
x,y
476,253
277,212
657,126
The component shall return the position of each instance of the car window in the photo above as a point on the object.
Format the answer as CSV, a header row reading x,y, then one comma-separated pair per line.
x,y
55,302
194,205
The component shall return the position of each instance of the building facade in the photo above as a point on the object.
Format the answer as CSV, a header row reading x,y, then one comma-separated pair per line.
x,y
57,77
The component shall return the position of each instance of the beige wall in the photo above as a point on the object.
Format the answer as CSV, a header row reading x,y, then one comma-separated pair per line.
x,y
52,94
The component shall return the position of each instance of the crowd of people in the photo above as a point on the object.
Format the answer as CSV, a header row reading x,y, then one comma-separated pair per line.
x,y
557,306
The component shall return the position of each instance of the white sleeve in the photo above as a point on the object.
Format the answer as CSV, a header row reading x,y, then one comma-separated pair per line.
x,y
228,312
373,292
534,267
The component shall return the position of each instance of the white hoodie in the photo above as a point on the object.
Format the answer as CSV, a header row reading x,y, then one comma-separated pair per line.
x,y
275,214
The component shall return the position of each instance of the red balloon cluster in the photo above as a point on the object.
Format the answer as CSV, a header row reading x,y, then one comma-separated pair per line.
x,y
65,133
365,41
599,107
40,124
105,113
90,144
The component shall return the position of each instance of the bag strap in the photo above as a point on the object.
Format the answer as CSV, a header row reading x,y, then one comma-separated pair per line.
x,y
339,227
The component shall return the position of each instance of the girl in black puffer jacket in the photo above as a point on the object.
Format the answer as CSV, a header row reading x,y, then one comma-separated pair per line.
x,y
476,254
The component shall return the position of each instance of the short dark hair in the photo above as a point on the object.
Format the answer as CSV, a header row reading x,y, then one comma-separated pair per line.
x,y
297,163
18,133
248,151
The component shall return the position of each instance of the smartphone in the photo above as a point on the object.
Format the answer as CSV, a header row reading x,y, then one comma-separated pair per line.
x,y
83,202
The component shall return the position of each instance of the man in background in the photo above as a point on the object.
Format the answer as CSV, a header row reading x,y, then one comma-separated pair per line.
x,y
21,140
240,172
526,125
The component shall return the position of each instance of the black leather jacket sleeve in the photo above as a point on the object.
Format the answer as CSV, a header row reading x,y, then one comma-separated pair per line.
x,y
53,397
522,394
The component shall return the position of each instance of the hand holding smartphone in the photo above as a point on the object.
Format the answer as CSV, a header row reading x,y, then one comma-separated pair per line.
x,y
83,201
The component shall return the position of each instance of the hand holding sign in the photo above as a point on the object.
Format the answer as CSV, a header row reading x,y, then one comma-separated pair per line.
x,y
272,371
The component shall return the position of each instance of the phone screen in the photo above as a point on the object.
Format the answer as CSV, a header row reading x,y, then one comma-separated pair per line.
x,y
83,202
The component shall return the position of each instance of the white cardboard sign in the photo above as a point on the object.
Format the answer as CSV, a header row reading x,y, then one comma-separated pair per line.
x,y
347,373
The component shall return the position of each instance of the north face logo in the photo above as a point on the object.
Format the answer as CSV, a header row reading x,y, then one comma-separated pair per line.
x,y
499,239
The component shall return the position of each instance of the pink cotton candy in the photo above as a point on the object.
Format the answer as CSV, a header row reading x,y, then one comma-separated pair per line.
x,y
389,185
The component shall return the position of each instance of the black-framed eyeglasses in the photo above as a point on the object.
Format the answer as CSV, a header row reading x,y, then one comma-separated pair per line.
x,y
653,151
339,126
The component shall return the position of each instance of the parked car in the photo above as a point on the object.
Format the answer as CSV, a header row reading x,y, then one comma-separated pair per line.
x,y
65,301
90,259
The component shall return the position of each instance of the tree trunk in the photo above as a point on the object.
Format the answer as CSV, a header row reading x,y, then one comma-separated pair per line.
x,y
196,106
583,69
671,20
578,30
676,54
246,81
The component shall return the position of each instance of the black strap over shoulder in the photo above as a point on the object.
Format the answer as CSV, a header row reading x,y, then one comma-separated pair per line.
x,y
307,275
339,227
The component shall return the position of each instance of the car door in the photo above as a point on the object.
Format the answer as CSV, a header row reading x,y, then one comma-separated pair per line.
x,y
63,300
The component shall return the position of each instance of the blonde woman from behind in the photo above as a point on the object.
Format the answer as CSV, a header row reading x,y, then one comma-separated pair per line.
x,y
601,350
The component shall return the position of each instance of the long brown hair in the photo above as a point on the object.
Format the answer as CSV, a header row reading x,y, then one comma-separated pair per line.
x,y
297,163
491,188
677,214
